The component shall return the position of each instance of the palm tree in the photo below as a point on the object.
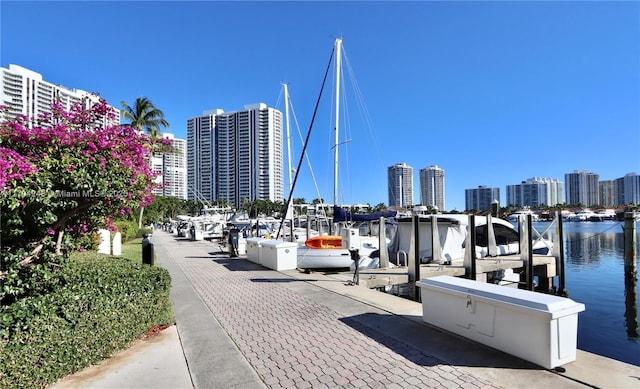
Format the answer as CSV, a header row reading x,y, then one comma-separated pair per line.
x,y
144,116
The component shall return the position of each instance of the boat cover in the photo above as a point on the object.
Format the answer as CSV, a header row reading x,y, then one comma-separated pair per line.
x,y
341,215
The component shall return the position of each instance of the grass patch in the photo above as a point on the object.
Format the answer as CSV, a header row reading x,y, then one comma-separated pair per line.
x,y
132,250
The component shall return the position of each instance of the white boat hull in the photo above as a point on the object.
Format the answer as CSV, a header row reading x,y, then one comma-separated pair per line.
x,y
310,258
318,258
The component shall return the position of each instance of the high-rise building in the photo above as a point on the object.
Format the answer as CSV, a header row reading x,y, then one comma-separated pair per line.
x,y
24,92
174,169
481,198
582,188
236,156
432,187
535,192
618,191
400,185
631,183
607,193
201,161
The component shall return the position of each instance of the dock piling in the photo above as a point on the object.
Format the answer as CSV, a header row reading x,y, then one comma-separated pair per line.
x,y
630,269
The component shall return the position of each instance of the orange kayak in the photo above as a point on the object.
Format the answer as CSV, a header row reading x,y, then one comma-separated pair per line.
x,y
324,242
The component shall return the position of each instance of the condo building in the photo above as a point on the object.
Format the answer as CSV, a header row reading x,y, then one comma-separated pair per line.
x,y
582,188
400,185
630,189
481,198
535,192
432,187
236,156
171,169
24,92
607,193
201,162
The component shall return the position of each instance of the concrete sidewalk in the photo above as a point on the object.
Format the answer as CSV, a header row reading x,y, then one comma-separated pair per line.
x,y
239,325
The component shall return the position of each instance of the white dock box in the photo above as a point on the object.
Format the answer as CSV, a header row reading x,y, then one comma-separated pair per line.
x,y
279,255
537,327
253,249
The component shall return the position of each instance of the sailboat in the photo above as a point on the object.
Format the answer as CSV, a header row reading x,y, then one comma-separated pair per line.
x,y
329,251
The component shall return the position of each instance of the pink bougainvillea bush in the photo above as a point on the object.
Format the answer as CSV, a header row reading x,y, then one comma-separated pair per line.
x,y
63,176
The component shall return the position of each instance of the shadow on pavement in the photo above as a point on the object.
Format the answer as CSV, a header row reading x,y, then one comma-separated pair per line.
x,y
428,346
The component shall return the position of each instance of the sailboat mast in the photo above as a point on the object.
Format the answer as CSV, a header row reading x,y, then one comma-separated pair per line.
x,y
286,116
338,51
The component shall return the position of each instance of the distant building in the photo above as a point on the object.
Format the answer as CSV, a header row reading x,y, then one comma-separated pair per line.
x,y
582,188
481,198
173,169
607,193
432,187
535,192
631,189
236,156
400,185
201,162
24,92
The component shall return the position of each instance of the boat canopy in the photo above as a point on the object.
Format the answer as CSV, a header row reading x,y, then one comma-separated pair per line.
x,y
452,233
341,215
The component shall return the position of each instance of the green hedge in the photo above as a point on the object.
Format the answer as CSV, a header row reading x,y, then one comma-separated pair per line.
x,y
128,229
100,305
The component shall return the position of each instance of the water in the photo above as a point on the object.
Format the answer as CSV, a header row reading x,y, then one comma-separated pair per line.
x,y
594,268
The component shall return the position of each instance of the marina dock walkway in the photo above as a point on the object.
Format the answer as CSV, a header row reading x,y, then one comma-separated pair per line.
x,y
240,325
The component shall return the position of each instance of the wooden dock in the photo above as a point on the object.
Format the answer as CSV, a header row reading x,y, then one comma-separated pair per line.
x,y
544,268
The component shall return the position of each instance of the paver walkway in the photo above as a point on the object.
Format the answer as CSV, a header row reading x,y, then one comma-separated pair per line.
x,y
292,341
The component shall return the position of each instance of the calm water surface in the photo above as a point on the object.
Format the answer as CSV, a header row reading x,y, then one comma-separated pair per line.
x,y
594,267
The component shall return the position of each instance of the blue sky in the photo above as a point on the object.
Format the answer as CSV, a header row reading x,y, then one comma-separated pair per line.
x,y
492,92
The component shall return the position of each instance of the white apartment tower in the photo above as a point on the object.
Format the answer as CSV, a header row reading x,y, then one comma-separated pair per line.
x,y
174,169
171,169
24,92
201,161
535,192
400,185
582,188
432,187
236,156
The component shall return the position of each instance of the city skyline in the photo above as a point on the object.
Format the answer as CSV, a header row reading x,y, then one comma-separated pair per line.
x,y
200,169
493,92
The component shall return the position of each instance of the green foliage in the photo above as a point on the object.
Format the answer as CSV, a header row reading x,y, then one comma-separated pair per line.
x,y
142,231
92,307
128,229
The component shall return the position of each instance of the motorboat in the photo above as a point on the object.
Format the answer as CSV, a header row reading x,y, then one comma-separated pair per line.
x,y
514,217
582,216
451,237
334,256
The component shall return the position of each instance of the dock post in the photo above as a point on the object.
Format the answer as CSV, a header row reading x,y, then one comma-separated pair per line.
x,y
382,239
472,246
495,208
558,246
529,255
526,251
415,269
630,270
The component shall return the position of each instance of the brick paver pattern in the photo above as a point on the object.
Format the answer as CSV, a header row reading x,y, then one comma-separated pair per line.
x,y
292,341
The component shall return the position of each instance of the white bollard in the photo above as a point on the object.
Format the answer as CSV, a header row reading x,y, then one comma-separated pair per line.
x,y
116,245
105,242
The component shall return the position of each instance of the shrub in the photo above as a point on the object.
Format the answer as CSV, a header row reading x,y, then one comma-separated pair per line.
x,y
99,305
128,229
143,231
